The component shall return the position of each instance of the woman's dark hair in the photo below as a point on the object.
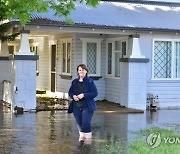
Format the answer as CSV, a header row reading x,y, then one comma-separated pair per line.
x,y
83,66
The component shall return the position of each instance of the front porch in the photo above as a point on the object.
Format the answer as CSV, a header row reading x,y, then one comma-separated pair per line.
x,y
61,49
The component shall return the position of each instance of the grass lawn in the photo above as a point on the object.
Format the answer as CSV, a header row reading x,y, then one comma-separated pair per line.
x,y
149,141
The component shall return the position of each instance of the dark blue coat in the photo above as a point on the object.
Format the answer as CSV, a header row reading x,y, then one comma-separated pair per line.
x,y
89,94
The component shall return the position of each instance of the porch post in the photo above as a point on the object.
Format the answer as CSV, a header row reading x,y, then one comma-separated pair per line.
x,y
24,46
25,75
5,66
133,47
134,76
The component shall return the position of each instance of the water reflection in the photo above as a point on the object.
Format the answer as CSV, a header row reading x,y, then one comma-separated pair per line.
x,y
152,116
55,132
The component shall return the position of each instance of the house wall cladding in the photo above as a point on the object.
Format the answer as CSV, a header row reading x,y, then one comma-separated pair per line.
x,y
62,85
43,52
78,52
111,89
115,87
107,88
168,90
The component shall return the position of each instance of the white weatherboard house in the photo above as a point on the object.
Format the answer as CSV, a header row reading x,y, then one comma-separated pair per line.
x,y
131,49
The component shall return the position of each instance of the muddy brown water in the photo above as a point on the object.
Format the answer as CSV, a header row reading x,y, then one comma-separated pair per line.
x,y
55,132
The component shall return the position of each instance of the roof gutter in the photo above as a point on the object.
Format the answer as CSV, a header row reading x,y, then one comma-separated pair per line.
x,y
92,26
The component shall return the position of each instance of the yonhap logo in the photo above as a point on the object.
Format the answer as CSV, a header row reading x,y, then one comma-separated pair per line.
x,y
154,140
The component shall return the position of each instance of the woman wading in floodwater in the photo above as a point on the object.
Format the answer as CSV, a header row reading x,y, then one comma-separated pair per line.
x,y
83,91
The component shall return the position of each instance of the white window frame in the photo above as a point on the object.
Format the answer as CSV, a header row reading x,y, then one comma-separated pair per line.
x,y
98,53
172,61
67,40
51,42
113,40
113,61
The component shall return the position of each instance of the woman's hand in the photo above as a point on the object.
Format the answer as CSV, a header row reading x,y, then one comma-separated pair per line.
x,y
75,98
80,96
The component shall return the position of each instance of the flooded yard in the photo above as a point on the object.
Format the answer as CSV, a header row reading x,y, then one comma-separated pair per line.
x,y
55,132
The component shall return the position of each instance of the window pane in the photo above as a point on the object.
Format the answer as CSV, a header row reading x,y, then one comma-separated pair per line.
x,y
177,60
64,57
117,45
68,57
109,58
53,57
31,49
123,48
117,64
91,57
162,59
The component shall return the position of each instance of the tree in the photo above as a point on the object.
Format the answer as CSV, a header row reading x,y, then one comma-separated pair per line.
x,y
21,9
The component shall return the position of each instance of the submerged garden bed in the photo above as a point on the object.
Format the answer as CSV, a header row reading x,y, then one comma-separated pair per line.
x,y
50,103
45,103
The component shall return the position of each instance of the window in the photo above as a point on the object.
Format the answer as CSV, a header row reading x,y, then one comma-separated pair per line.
x,y
34,49
66,57
91,55
13,48
109,57
166,59
176,60
116,48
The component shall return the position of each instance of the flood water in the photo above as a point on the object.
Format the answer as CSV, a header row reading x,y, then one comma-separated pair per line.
x,y
55,132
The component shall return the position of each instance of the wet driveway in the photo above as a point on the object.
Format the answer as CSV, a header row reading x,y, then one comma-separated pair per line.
x,y
55,132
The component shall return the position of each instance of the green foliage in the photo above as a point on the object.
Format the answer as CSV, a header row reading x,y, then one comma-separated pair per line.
x,y
21,9
3,11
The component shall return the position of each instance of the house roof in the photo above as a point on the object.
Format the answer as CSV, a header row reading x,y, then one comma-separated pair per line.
x,y
118,15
